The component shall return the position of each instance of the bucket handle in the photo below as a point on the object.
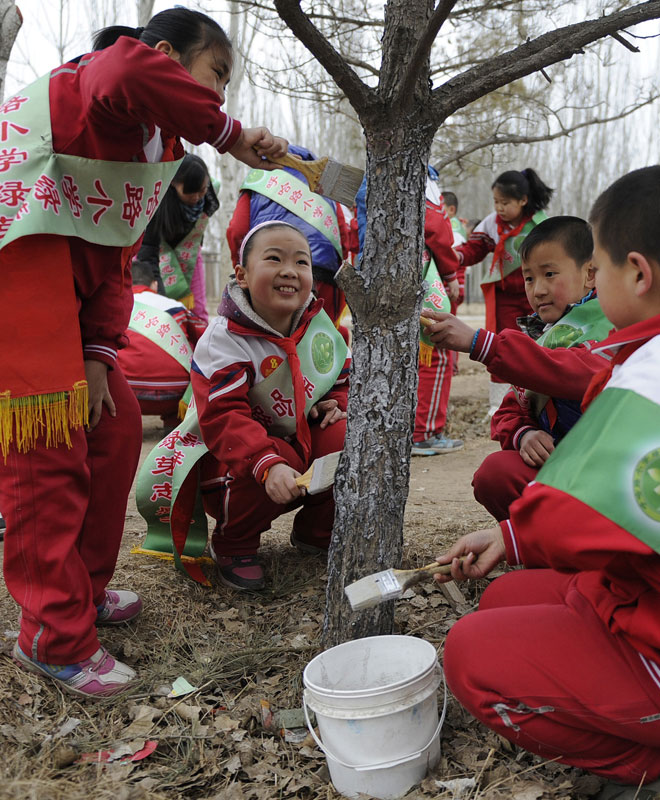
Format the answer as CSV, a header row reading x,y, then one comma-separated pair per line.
x,y
381,764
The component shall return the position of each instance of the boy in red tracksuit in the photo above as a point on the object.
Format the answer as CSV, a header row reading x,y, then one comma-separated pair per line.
x,y
563,658
270,385
162,335
550,362
94,143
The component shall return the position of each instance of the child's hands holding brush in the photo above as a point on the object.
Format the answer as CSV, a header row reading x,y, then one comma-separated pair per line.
x,y
482,551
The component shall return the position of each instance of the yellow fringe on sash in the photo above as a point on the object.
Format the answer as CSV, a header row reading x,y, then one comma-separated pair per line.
x,y
188,301
25,419
425,354
183,409
136,550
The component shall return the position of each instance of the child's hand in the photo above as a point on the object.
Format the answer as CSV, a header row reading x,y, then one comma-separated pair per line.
x,y
483,550
281,484
331,410
535,448
96,373
448,331
253,143
453,290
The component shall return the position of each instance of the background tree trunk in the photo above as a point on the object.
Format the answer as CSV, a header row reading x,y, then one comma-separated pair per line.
x,y
10,24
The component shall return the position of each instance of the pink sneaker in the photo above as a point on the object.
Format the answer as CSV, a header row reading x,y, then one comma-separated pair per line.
x,y
100,675
119,606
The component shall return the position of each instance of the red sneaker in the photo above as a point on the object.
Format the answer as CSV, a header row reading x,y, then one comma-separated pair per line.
x,y
241,572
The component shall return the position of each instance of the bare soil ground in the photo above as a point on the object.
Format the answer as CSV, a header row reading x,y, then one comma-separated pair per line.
x,y
241,650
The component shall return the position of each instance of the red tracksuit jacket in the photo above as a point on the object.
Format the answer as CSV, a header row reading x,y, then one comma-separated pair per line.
x,y
107,105
618,574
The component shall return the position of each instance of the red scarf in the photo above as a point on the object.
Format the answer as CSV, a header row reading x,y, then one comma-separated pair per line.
x,y
504,234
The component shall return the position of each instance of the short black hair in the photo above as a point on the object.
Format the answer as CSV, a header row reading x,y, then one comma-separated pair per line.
x,y
450,199
573,233
626,216
143,273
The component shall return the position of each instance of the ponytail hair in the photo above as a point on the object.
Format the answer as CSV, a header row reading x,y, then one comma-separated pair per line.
x,y
526,183
189,32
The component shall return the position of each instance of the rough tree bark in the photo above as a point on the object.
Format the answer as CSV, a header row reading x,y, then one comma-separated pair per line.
x,y
10,24
400,118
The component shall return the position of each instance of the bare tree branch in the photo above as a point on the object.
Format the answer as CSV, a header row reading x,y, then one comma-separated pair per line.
x,y
512,138
358,93
628,45
405,95
547,49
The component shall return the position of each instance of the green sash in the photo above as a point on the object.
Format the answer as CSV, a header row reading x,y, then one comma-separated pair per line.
x,y
167,492
584,322
512,247
105,202
610,460
458,227
177,264
296,196
435,299
168,497
322,352
163,330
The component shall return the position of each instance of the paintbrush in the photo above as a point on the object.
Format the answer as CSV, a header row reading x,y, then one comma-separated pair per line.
x,y
326,176
389,584
321,475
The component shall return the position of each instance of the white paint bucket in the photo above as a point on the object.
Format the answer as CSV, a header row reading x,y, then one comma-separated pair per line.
x,y
376,707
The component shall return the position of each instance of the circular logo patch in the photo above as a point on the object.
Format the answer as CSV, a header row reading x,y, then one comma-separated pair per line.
x,y
562,336
270,364
646,484
323,352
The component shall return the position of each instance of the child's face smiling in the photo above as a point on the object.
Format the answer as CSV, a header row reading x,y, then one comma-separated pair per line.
x,y
278,275
508,208
553,280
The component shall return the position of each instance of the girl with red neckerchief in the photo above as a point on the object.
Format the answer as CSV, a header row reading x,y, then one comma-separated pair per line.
x,y
519,199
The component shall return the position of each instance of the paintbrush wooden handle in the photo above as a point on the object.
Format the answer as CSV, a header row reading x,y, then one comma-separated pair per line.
x,y
312,170
415,576
306,478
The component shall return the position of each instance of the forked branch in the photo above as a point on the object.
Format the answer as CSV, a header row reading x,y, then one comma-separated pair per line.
x,y
358,93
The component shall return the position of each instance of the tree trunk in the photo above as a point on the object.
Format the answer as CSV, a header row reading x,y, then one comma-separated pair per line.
x,y
385,299
10,24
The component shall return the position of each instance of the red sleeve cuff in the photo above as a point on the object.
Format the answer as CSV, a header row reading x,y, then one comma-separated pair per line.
x,y
483,346
510,543
517,436
228,135
264,463
98,352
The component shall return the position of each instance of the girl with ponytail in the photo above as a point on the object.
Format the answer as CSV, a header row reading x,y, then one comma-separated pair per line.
x,y
519,199
97,142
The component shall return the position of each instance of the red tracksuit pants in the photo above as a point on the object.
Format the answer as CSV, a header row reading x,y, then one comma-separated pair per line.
x,y
500,480
65,511
538,666
433,395
244,510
